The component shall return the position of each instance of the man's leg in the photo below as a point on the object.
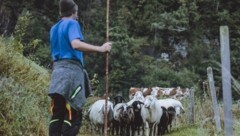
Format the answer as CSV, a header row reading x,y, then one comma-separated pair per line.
x,y
58,110
72,122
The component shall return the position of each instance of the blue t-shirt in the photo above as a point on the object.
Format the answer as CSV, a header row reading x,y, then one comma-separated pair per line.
x,y
61,35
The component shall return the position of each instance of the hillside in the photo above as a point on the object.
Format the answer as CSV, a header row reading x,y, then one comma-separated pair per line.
x,y
23,93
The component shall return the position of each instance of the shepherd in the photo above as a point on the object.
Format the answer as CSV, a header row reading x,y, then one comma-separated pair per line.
x,y
69,83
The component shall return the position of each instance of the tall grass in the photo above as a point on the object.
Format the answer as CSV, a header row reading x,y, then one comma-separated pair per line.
x,y
23,93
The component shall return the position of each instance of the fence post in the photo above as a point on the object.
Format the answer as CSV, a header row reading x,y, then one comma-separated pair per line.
x,y
214,99
238,103
226,81
191,106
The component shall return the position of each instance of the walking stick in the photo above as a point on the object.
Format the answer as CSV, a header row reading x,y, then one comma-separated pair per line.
x,y
107,59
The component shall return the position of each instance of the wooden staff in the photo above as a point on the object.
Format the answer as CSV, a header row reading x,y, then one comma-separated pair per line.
x,y
107,59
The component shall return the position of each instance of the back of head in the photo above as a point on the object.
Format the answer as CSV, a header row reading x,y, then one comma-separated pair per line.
x,y
67,7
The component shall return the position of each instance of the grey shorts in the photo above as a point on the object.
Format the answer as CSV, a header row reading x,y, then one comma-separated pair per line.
x,y
68,80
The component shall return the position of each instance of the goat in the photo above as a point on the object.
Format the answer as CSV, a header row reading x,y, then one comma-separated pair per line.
x,y
151,113
132,92
146,91
171,114
177,105
163,125
97,112
138,96
115,124
138,121
123,113
156,91
118,99
185,93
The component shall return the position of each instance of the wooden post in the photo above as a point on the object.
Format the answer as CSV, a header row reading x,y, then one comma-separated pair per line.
x,y
226,81
107,76
238,103
214,99
191,107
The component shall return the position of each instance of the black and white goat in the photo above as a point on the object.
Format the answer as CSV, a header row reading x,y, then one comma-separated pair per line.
x,y
138,125
123,113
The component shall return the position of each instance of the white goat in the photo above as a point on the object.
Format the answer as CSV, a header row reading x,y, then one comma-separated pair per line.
x,y
97,112
138,96
177,105
151,114
156,91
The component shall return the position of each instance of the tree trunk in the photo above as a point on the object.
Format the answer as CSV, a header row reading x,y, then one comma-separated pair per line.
x,y
9,12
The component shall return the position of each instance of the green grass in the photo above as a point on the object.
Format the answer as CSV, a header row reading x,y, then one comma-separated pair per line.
x,y
188,130
23,94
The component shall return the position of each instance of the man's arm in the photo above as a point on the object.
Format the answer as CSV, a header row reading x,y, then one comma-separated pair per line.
x,y
82,46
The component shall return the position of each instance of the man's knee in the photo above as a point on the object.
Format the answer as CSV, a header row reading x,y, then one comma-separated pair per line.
x,y
71,129
55,127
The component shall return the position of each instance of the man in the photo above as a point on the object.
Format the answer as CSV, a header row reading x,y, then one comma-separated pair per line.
x,y
67,87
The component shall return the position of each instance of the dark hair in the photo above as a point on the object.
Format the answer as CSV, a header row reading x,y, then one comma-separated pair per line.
x,y
67,7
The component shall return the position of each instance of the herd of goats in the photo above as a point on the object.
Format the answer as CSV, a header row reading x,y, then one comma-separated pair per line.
x,y
143,114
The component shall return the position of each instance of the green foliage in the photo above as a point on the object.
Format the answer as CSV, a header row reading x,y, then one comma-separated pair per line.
x,y
124,60
32,38
23,34
23,24
173,21
42,56
151,24
161,75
